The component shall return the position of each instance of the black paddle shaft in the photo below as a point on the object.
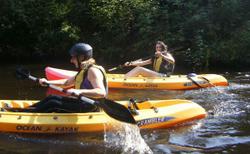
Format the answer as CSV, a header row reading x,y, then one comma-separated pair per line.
x,y
196,83
112,108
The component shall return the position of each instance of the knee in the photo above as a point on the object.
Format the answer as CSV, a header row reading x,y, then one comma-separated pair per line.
x,y
138,68
141,69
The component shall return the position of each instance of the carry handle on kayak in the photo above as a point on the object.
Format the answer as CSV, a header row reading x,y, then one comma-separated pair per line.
x,y
112,108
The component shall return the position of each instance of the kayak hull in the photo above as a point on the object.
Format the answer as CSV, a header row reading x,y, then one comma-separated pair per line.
x,y
152,115
173,82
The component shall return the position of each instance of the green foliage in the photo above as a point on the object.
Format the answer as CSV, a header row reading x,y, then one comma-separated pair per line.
x,y
30,26
124,23
218,32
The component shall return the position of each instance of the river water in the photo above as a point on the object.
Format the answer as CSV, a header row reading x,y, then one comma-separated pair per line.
x,y
226,129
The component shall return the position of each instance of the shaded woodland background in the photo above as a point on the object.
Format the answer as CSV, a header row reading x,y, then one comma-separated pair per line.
x,y
208,34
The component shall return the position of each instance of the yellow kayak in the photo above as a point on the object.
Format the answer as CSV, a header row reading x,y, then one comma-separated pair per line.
x,y
173,82
150,115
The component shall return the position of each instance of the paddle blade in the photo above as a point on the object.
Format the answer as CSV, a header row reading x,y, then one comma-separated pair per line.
x,y
116,111
22,73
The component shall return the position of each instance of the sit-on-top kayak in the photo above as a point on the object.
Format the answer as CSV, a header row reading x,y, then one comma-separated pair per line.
x,y
173,82
150,115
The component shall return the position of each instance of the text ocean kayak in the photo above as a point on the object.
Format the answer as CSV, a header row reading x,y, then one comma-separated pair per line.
x,y
151,115
173,82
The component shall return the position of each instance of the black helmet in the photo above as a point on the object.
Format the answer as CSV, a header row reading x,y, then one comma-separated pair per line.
x,y
81,49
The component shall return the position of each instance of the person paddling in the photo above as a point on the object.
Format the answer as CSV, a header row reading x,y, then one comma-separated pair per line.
x,y
163,63
90,81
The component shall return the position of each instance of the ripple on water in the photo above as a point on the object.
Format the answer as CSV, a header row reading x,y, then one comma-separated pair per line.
x,y
232,108
227,126
46,143
238,86
208,96
124,138
207,143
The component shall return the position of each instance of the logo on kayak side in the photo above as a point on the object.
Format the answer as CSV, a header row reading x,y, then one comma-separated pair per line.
x,y
56,129
153,120
140,85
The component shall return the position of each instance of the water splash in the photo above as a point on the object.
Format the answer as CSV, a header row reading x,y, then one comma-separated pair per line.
x,y
207,95
128,138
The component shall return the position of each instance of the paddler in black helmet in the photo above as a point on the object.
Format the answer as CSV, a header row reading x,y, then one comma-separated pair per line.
x,y
90,76
90,81
162,63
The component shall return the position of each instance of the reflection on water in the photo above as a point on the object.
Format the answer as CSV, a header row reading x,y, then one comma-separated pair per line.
x,y
31,143
125,139
225,130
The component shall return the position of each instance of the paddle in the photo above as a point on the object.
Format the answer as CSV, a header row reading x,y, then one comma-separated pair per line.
x,y
117,67
121,66
113,109
189,76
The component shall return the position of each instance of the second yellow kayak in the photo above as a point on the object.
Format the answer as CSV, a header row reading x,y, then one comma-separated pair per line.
x,y
173,82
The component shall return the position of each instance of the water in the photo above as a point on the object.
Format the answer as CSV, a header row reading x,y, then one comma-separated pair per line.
x,y
225,130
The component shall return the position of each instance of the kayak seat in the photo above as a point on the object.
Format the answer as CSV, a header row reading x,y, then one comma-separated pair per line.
x,y
133,105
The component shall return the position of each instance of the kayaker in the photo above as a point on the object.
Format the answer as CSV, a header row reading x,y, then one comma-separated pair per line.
x,y
163,63
90,81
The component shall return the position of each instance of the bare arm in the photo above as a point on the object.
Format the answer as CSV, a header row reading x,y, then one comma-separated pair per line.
x,y
166,56
64,82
